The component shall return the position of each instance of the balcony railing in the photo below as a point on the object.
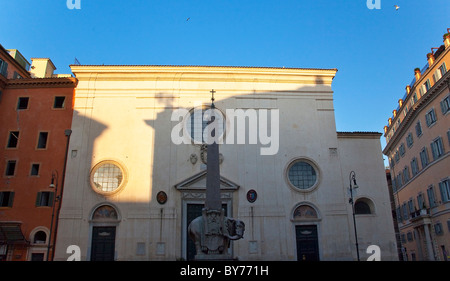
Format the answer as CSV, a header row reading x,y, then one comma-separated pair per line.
x,y
420,213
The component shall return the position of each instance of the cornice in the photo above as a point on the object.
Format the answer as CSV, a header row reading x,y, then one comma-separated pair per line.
x,y
359,135
425,100
74,66
63,82
419,82
203,73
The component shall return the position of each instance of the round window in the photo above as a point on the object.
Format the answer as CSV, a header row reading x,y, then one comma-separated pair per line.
x,y
198,120
107,177
302,175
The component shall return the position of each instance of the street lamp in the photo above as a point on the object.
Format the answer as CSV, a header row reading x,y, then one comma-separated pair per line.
x,y
352,179
53,184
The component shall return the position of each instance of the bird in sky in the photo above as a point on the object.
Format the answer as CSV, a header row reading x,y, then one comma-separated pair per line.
x,y
397,7
188,19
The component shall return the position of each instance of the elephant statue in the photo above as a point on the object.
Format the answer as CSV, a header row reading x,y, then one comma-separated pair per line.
x,y
230,229
234,229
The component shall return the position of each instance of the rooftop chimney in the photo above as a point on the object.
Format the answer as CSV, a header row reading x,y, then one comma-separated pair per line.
x,y
447,39
430,57
417,73
42,68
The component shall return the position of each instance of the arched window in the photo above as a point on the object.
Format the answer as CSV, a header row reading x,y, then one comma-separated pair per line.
x,y
40,237
305,212
363,206
105,213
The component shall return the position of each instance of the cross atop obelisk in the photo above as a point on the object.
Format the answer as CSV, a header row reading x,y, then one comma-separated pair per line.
x,y
212,98
213,201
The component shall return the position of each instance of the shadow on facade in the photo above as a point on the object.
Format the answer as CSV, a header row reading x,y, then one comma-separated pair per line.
x,y
150,221
184,183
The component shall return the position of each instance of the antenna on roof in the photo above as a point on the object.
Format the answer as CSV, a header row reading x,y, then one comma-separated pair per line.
x,y
77,62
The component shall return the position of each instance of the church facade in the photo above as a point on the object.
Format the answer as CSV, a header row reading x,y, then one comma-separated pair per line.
x,y
132,187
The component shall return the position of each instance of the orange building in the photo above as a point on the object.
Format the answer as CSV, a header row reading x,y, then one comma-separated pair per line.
x,y
36,113
418,147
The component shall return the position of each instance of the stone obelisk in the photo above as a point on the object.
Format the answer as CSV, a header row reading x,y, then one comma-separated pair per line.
x,y
213,201
212,231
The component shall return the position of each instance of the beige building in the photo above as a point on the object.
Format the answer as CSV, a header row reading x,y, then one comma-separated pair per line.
x,y
418,145
130,191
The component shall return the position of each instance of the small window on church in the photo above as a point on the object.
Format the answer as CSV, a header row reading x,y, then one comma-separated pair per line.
x,y
363,207
107,177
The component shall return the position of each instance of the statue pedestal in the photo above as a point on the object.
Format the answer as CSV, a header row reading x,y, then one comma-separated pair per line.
x,y
213,257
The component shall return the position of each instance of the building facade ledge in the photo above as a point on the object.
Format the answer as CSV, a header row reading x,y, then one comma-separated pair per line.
x,y
61,82
429,96
359,135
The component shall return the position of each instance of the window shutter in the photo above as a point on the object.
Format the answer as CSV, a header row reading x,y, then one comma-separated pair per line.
x,y
4,69
11,199
440,146
444,192
1,198
431,199
434,150
38,199
51,195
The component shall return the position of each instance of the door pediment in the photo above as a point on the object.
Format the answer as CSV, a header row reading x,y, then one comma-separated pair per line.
x,y
198,182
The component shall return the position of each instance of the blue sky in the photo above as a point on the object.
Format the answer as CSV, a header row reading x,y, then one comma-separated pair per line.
x,y
375,51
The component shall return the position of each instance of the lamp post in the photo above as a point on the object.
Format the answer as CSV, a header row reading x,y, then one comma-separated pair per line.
x,y
53,184
352,179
